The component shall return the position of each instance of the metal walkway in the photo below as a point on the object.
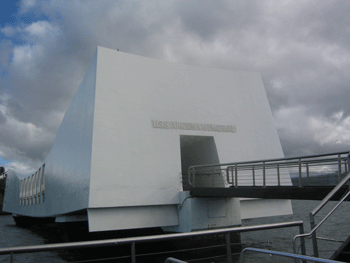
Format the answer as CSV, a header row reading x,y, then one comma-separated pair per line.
x,y
270,192
270,179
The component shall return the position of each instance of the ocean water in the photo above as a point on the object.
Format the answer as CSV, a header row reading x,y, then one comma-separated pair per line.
x,y
337,228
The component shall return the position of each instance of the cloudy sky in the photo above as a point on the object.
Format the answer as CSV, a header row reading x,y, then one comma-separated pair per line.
x,y
301,48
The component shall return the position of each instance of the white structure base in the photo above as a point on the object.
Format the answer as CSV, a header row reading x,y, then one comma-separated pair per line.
x,y
133,128
206,213
118,218
253,208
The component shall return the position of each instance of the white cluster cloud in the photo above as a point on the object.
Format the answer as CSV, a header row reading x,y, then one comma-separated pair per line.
x,y
23,142
332,131
26,5
301,49
304,133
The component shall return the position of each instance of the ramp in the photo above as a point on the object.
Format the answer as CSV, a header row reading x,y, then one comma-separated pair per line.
x,y
270,192
268,179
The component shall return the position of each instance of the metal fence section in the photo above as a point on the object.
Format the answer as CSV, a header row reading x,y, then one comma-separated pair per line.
x,y
273,171
314,212
134,240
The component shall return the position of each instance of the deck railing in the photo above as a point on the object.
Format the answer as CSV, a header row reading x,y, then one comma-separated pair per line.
x,y
314,212
133,240
274,171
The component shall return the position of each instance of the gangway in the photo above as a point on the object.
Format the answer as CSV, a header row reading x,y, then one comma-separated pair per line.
x,y
266,178
262,179
270,192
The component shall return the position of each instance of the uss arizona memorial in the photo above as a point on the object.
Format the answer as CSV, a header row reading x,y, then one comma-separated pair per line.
x,y
192,126
132,130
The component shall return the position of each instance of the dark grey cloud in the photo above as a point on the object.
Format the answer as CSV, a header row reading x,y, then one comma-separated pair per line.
x,y
301,49
208,19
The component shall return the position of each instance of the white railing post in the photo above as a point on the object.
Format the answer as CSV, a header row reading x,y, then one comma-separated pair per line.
x,y
314,238
236,176
253,170
300,183
339,167
264,175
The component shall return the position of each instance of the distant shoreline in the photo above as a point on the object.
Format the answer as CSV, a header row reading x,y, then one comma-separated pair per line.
x,y
319,180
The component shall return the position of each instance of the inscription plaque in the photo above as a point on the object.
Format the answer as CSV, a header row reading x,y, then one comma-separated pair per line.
x,y
193,126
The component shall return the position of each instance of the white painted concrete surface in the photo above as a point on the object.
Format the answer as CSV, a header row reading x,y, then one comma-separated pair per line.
x,y
136,124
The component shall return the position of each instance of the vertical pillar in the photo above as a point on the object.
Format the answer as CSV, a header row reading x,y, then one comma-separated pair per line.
x,y
253,171
228,248
236,176
300,183
339,168
264,175
314,238
133,253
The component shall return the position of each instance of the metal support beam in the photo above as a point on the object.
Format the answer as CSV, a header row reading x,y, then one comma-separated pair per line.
x,y
228,248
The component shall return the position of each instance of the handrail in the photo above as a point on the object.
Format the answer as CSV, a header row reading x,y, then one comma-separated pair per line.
x,y
271,169
283,254
174,260
133,240
330,195
312,232
313,213
270,160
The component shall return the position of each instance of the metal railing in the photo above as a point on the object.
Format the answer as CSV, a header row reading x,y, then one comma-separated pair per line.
x,y
174,260
273,171
133,240
282,254
314,212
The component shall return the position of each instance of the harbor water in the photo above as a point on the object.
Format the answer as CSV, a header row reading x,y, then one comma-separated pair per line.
x,y
336,228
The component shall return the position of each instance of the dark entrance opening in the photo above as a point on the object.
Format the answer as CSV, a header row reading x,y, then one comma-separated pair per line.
x,y
197,150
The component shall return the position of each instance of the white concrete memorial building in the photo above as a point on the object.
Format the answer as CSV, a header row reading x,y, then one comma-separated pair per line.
x,y
133,128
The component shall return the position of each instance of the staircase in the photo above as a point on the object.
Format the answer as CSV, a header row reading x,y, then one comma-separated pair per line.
x,y
343,252
315,227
